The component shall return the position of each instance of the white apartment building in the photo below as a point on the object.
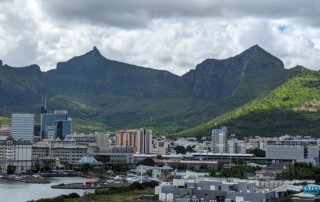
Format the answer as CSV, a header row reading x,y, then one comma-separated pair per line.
x,y
219,140
236,146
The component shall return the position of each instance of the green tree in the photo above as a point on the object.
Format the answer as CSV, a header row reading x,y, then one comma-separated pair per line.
x,y
101,173
181,166
180,149
120,167
189,149
147,162
35,168
257,152
300,171
238,171
85,167
48,164
66,165
213,173
11,169
286,199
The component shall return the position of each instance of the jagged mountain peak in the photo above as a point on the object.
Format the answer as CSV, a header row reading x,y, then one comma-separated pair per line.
x,y
218,79
253,53
95,51
85,61
256,47
257,53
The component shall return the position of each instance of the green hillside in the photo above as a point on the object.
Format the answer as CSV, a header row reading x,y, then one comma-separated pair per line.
x,y
4,120
106,95
292,108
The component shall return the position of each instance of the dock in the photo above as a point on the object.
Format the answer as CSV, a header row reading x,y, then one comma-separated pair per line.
x,y
90,186
27,179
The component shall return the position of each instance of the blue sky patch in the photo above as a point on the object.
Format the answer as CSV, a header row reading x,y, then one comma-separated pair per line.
x,y
282,28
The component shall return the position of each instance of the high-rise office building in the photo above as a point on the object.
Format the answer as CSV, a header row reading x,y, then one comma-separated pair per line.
x,y
219,140
22,126
139,139
59,120
63,128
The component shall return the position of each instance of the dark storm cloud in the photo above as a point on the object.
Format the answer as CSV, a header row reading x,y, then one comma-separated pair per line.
x,y
137,13
122,13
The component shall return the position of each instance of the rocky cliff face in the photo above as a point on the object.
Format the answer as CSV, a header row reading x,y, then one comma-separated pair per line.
x,y
218,79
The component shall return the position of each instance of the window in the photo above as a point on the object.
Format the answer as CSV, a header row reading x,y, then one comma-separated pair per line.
x,y
305,151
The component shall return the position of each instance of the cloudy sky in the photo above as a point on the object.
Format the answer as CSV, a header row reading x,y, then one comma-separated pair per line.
x,y
162,34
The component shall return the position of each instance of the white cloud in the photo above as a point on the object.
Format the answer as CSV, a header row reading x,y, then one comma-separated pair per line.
x,y
173,36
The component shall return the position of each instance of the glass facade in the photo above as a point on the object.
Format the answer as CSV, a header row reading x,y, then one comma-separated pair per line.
x,y
59,120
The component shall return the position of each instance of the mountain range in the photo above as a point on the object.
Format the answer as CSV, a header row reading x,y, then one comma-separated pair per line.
x,y
102,94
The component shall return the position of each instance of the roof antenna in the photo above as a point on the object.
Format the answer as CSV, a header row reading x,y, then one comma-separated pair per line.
x,y
44,105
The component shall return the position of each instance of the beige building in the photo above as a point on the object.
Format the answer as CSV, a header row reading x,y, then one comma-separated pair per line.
x,y
15,152
139,139
160,147
93,141
65,151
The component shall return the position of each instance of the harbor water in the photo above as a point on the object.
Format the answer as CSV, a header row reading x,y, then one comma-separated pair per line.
x,y
13,191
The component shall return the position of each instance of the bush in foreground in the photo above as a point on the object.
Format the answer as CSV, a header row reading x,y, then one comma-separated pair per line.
x,y
60,198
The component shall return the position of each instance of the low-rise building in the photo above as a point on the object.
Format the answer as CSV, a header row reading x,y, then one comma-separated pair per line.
x,y
101,139
65,151
88,160
115,154
196,165
300,150
160,147
5,130
93,141
216,190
